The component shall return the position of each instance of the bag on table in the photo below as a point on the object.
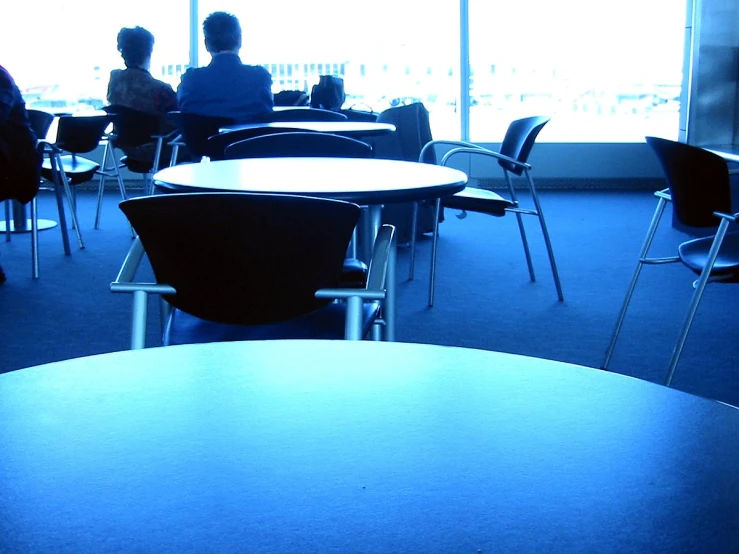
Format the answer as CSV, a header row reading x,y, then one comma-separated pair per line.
x,y
328,94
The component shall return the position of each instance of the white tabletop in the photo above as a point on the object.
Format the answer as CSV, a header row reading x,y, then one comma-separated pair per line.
x,y
366,181
351,128
343,446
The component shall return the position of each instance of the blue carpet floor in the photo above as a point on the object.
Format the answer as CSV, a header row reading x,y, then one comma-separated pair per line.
x,y
484,298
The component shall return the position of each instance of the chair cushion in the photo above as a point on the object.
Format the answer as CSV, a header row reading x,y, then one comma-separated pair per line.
x,y
324,323
354,274
78,169
694,254
137,166
478,200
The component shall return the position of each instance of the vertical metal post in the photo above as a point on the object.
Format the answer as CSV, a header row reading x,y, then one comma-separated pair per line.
x,y
464,68
194,34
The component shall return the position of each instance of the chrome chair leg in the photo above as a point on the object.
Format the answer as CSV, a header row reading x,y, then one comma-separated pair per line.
x,y
58,187
414,231
101,184
70,199
632,285
521,228
545,234
7,220
432,276
697,295
34,239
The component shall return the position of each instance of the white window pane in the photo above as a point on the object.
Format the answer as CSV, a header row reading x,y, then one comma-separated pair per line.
x,y
387,51
61,52
604,72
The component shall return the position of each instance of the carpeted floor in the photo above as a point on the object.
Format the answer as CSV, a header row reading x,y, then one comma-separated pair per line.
x,y
484,298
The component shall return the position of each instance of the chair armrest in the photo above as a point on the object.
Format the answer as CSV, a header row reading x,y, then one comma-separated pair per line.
x,y
124,282
484,152
343,294
48,147
664,194
378,265
432,144
177,141
730,217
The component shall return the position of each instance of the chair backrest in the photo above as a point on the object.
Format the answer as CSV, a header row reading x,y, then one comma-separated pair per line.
x,y
81,134
299,144
519,141
40,122
291,98
132,127
196,129
251,258
303,114
217,144
698,181
412,132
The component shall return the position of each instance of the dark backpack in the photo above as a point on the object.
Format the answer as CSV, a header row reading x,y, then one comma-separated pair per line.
x,y
328,94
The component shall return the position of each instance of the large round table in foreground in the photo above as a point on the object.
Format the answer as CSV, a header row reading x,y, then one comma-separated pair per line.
x,y
311,446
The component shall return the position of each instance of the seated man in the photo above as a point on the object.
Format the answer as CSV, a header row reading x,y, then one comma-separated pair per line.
x,y
226,87
135,88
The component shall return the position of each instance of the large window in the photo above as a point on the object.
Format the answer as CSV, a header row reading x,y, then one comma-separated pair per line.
x,y
605,72
61,52
389,52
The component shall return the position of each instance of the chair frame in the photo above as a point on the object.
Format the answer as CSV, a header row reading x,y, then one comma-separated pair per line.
x,y
376,290
40,128
664,197
114,170
460,147
61,185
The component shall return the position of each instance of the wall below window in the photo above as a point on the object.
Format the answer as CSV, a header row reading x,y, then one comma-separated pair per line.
x,y
560,165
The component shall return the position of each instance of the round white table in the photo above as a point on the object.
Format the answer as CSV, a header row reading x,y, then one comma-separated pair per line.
x,y
371,182
354,129
321,446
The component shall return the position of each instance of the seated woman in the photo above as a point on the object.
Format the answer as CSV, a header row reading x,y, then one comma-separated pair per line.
x,y
135,88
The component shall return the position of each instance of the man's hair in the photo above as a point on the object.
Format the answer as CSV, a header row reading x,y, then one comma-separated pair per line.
x,y
222,32
135,45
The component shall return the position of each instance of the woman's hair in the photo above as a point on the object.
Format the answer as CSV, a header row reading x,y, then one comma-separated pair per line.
x,y
135,45
222,32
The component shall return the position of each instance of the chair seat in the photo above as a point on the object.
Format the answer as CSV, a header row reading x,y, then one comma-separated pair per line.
x,y
78,169
694,254
474,199
354,274
137,166
324,323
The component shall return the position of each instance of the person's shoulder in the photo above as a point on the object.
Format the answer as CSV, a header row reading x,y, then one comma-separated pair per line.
x,y
116,75
163,85
259,72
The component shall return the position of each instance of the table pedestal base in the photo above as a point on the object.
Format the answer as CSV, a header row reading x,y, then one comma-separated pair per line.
x,y
43,225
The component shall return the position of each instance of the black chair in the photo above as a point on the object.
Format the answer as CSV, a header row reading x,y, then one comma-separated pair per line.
x,y
298,144
291,98
513,158
353,114
699,188
303,114
257,266
40,123
195,130
308,144
217,144
66,167
134,130
412,133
